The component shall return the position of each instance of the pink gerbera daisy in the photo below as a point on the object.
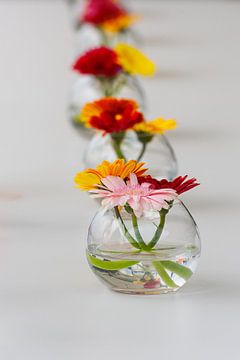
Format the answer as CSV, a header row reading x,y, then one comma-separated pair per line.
x,y
115,192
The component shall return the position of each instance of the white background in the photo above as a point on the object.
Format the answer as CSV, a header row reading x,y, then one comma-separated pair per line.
x,y
52,306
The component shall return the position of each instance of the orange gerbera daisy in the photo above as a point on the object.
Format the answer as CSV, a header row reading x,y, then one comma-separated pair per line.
x,y
119,23
112,115
91,178
108,15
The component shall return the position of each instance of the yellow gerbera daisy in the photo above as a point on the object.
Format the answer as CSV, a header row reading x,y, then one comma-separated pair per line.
x,y
119,23
90,178
156,126
134,61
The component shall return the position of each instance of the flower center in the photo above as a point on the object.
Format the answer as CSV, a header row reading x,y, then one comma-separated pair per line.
x,y
118,117
136,190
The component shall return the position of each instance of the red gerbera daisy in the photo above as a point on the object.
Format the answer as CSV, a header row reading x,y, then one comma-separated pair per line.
x,y
180,184
112,115
101,61
99,11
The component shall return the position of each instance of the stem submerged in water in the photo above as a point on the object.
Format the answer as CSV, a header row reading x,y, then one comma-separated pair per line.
x,y
165,268
164,275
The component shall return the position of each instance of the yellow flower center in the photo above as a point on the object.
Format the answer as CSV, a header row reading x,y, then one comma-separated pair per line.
x,y
118,117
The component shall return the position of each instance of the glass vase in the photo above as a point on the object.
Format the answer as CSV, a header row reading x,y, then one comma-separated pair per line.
x,y
122,254
158,153
89,36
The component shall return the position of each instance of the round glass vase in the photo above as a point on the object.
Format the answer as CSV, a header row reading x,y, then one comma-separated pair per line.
x,y
158,153
89,88
89,36
115,258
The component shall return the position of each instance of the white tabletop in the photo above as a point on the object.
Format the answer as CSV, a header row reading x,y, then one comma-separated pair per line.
x,y
52,306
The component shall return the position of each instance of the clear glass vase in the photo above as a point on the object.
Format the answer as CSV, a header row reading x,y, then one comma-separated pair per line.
x,y
158,153
89,88
89,36
156,267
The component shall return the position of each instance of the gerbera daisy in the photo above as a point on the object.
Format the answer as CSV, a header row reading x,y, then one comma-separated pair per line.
x,y
97,12
111,115
91,178
104,61
101,61
119,23
180,184
140,197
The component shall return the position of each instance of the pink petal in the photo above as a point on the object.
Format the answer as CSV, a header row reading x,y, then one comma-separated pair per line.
x,y
113,182
133,180
145,185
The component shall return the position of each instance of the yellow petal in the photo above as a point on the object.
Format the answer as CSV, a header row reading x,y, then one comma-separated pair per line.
x,y
86,181
163,124
134,61
91,178
104,168
156,126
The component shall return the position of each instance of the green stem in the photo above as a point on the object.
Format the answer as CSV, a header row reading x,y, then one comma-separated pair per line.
x,y
129,237
159,230
107,92
144,138
106,85
119,82
164,275
181,270
142,151
110,265
111,86
137,233
104,37
117,148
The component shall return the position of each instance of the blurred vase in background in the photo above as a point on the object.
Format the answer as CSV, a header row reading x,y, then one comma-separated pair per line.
x,y
122,132
103,22
158,154
87,89
108,72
